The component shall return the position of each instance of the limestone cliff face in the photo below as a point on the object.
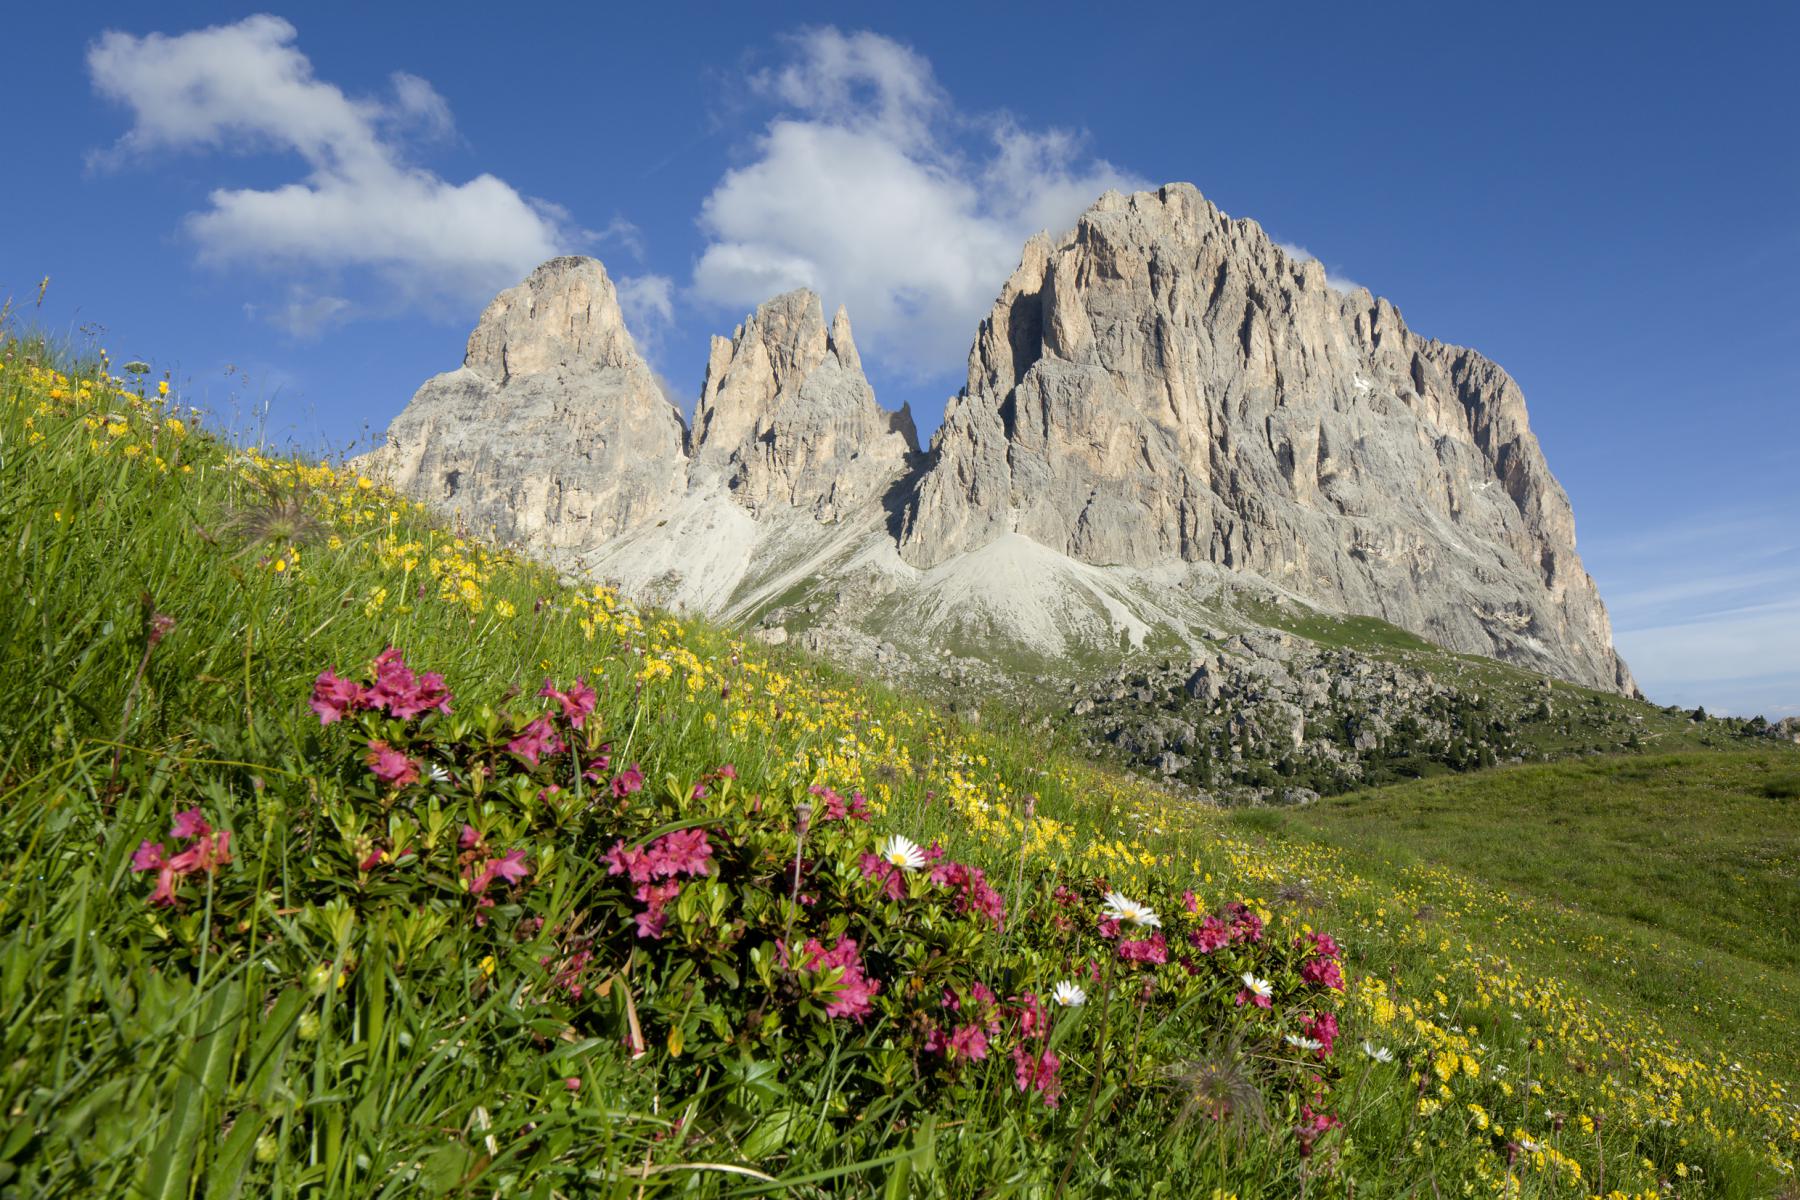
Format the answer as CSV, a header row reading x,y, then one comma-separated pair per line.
x,y
1162,409
786,417
1165,384
553,431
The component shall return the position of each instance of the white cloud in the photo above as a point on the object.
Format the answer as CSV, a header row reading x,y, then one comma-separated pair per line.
x,y
862,190
304,314
1333,278
648,302
361,205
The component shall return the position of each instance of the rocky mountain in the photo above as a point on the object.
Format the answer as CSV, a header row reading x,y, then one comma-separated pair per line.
x,y
1165,384
1169,426
553,432
787,419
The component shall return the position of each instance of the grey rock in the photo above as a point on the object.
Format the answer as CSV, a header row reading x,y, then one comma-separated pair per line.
x,y
1164,384
553,432
787,418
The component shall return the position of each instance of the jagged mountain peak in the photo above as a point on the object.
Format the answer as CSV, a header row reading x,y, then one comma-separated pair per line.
x,y
1163,408
565,315
786,414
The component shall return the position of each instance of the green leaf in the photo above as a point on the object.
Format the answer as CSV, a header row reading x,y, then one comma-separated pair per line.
x,y
198,1090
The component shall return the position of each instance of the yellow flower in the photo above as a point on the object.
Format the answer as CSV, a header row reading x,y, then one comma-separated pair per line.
x,y
162,387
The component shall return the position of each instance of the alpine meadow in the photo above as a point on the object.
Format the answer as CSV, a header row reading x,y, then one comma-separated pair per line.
x,y
1193,761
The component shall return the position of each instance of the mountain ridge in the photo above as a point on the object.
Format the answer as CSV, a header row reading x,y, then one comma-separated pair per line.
x,y
1164,410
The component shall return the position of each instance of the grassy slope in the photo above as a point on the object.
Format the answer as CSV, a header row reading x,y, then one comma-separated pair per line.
x,y
96,538
1676,878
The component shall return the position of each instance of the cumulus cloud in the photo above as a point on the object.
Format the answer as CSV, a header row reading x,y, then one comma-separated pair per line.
x,y
361,205
1333,278
871,188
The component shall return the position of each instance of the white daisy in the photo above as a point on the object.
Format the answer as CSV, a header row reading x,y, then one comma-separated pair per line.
x,y
1380,1054
1069,995
1121,907
1260,988
901,852
439,774
1304,1043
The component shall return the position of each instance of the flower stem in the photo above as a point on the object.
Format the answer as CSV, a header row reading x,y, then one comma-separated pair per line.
x,y
1094,1090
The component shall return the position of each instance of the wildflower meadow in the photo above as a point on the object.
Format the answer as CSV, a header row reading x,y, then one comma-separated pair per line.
x,y
346,854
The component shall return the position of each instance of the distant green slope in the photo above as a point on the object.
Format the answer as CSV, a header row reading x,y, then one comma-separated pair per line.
x,y
1678,876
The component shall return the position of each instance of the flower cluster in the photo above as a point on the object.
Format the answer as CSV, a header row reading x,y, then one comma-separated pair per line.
x,y
656,870
396,690
854,992
206,851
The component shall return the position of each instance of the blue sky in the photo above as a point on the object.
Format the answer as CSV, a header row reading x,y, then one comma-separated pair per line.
x,y
301,213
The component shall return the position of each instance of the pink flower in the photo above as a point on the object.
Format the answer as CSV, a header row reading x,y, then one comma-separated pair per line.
x,y
189,824
1032,1021
684,852
147,857
1313,1124
1109,927
891,878
1323,972
1038,1072
972,891
573,1083
1145,950
627,781
209,853
1212,935
855,990
836,808
654,918
538,738
400,692
1190,901
333,696
1246,926
164,895
470,838
727,772
576,703
390,765
511,867
1324,1030
969,1042
622,860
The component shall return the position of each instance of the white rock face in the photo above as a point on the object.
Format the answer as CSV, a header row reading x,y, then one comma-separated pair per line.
x,y
553,432
1165,384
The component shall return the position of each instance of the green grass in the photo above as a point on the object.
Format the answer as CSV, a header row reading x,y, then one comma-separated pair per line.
x,y
1683,869
150,1052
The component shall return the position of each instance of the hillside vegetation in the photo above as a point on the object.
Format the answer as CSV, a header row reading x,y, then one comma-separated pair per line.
x,y
344,855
